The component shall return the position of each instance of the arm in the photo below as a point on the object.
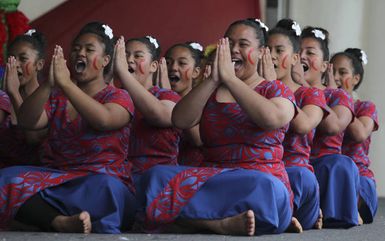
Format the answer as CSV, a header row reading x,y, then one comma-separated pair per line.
x,y
157,112
109,116
307,119
187,113
337,121
266,113
361,128
193,136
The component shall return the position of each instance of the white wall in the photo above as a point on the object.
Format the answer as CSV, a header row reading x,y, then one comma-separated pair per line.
x,y
35,8
355,23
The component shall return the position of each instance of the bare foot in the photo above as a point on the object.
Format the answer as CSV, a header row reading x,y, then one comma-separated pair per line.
x,y
360,221
241,224
295,226
79,223
318,224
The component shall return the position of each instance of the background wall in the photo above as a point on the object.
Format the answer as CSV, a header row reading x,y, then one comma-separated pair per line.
x,y
351,23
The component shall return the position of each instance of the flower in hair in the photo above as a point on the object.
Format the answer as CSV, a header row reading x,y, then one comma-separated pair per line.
x,y
196,46
318,34
153,41
108,31
262,24
296,28
30,32
364,57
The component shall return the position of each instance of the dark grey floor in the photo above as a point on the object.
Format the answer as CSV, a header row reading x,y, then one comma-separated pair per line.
x,y
370,232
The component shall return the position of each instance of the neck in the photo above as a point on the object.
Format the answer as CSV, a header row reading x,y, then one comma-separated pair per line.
x,y
92,87
29,88
253,80
288,81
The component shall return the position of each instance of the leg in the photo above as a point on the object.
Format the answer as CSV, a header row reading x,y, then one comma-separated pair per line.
x,y
37,212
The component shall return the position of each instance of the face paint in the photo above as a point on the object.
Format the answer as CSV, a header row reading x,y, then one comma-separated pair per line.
x,y
313,66
141,67
94,64
345,84
186,74
284,62
249,56
26,68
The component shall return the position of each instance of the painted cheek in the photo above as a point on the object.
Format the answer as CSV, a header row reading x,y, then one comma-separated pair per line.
x,y
94,64
27,70
284,66
312,65
249,58
345,84
186,75
141,69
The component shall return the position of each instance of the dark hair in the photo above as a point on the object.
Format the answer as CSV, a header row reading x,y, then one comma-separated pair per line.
x,y
355,57
35,38
98,29
196,54
308,32
285,27
154,51
260,31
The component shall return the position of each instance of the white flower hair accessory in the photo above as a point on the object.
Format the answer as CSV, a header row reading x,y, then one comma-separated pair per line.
x,y
318,34
364,57
153,41
30,32
108,31
196,46
296,28
262,24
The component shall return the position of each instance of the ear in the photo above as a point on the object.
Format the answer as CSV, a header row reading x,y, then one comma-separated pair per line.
x,y
106,60
154,66
324,66
196,72
356,79
40,64
295,59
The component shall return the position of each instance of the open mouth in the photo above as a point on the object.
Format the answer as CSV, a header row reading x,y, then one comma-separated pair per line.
x,y
305,67
19,74
131,70
237,63
80,66
174,78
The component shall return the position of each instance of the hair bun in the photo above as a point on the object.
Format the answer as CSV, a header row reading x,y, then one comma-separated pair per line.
x,y
359,54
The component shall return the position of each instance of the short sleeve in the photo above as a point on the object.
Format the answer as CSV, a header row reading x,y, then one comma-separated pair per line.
x,y
367,108
165,94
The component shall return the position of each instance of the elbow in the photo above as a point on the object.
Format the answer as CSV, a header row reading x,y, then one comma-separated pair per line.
x,y
359,137
332,130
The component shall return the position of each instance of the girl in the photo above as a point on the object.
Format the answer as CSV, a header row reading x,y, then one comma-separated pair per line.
x,y
183,64
26,60
243,119
336,174
153,139
283,42
86,145
348,74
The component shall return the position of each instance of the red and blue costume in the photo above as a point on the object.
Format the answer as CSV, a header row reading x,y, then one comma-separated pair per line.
x,y
242,170
337,174
296,157
359,153
81,168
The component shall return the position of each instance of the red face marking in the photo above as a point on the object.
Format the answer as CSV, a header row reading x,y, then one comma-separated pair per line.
x,y
141,67
345,83
94,64
284,62
186,74
26,70
312,65
249,56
